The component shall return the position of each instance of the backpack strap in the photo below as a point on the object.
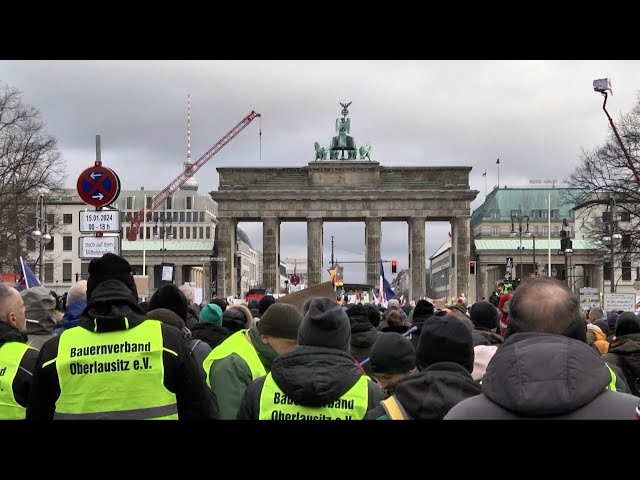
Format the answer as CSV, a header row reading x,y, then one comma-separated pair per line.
x,y
194,344
394,409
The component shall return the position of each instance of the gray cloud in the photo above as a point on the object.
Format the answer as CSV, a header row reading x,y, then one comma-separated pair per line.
x,y
534,115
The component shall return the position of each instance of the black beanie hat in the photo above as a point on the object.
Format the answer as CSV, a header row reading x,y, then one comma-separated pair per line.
x,y
423,308
445,339
392,353
265,302
325,324
627,322
110,267
170,297
281,321
484,315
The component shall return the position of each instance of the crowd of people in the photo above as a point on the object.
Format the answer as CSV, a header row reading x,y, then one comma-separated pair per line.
x,y
100,353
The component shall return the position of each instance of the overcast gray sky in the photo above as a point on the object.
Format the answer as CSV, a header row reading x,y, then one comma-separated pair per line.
x,y
534,115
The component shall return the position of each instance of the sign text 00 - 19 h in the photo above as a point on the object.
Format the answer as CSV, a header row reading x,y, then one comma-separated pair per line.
x,y
98,186
105,221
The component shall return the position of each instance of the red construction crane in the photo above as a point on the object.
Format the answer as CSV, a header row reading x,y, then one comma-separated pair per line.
x,y
189,172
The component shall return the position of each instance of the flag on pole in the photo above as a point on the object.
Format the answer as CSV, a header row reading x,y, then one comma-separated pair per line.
x,y
484,174
29,278
498,161
386,293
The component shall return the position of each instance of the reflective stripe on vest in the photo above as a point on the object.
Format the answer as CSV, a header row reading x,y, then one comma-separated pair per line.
x,y
612,384
11,354
240,344
113,375
275,405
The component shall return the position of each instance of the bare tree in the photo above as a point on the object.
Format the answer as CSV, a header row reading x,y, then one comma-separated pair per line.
x,y
30,164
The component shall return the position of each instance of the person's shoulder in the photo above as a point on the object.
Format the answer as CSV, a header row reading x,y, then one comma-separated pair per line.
x,y
478,407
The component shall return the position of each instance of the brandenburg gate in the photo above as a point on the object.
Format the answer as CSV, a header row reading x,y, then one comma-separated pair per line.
x,y
344,189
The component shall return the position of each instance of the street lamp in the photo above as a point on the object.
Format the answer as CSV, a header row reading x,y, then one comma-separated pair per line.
x,y
520,219
162,233
40,233
612,236
566,247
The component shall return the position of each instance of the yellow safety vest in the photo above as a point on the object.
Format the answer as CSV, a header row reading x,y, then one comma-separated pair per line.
x,y
240,344
113,375
11,354
276,405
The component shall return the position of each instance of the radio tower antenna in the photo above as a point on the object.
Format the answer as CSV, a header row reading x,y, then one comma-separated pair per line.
x,y
189,127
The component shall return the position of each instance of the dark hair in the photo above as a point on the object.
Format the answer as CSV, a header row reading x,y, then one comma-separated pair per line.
x,y
545,305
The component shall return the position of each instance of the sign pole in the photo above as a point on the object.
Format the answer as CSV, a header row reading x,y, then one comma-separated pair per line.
x,y
144,237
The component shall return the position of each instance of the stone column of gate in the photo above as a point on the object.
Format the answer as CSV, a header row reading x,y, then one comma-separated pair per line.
x,y
461,245
599,282
373,249
226,239
417,258
314,251
482,272
271,254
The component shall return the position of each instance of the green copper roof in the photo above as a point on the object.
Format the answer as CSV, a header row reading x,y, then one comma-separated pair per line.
x,y
541,244
504,200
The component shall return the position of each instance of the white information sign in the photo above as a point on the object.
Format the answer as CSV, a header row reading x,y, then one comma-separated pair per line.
x,y
167,273
615,302
95,247
106,221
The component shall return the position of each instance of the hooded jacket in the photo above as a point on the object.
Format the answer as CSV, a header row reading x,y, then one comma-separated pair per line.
x,y
212,334
231,375
539,375
71,316
110,303
418,321
485,337
431,393
363,336
22,382
597,337
310,376
39,306
624,353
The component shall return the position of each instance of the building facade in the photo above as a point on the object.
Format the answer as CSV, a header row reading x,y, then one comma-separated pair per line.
x,y
440,268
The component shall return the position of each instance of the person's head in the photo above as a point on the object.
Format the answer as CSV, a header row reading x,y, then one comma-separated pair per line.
x,y
265,302
627,323
394,318
325,324
187,290
546,305
500,287
394,303
279,326
236,318
40,307
595,313
423,309
445,339
211,313
392,358
171,297
166,316
221,302
12,310
110,267
484,315
357,313
78,291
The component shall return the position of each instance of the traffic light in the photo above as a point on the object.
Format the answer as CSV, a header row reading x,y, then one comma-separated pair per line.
x,y
472,268
394,266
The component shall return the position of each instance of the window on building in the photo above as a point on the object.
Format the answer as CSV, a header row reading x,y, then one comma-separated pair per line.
x,y
556,231
66,271
544,214
174,232
625,217
181,217
187,231
31,244
48,272
545,230
201,232
181,230
536,230
535,214
606,271
495,215
495,230
67,218
626,270
51,218
84,270
606,217
515,213
156,216
555,214
49,246
126,231
149,202
189,203
195,232
208,232
168,203
626,241
129,203
202,216
149,216
149,232
67,243
188,217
